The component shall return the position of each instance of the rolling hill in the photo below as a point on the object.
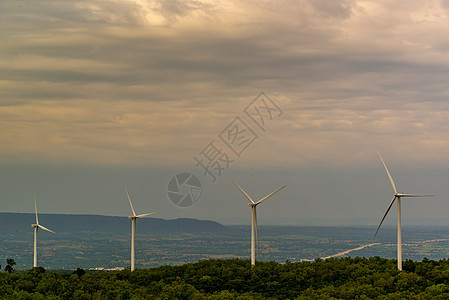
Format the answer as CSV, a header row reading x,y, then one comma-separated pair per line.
x,y
17,222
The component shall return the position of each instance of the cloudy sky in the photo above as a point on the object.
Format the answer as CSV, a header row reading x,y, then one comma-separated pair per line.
x,y
98,94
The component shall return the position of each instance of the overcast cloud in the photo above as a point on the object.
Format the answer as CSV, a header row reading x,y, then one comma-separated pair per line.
x,y
124,86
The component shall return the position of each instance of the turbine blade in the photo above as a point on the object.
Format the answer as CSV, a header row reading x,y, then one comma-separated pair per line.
x,y
388,173
145,215
247,196
255,225
132,208
44,228
409,195
388,209
266,197
35,209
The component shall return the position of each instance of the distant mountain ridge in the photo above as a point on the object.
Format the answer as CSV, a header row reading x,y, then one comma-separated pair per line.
x,y
21,222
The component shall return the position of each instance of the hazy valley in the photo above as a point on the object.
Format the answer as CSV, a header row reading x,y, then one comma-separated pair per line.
x,y
84,241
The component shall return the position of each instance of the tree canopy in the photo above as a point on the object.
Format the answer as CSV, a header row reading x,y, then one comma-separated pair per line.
x,y
10,263
336,278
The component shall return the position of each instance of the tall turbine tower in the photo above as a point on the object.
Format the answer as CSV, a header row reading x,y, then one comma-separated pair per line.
x,y
397,196
133,227
253,206
36,227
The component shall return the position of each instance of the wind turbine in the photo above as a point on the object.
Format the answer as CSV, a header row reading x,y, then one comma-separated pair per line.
x,y
133,227
253,206
397,196
36,227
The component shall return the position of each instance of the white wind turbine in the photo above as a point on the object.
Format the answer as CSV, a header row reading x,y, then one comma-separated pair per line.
x,y
133,227
36,227
397,196
253,206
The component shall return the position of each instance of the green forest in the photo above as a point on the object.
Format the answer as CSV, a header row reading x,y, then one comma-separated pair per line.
x,y
336,278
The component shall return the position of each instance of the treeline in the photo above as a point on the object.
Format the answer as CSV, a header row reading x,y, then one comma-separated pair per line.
x,y
337,278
